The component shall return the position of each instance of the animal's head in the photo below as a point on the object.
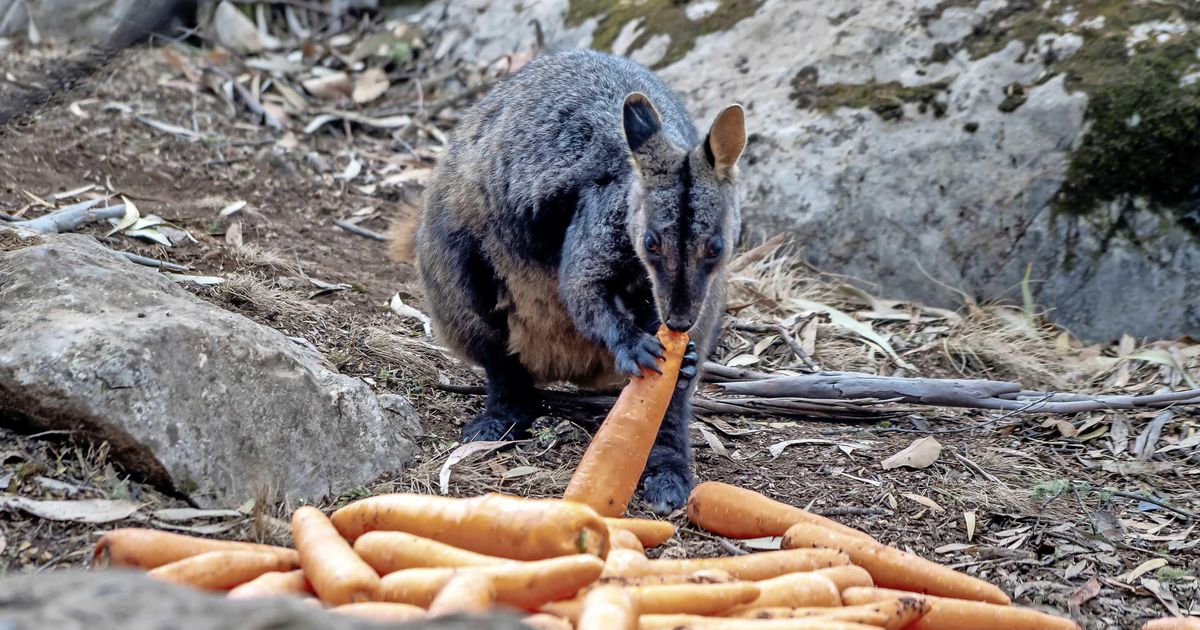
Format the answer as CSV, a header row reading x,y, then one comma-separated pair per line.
x,y
684,217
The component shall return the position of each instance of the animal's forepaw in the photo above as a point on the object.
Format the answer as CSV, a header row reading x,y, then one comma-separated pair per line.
x,y
641,351
665,487
491,426
689,368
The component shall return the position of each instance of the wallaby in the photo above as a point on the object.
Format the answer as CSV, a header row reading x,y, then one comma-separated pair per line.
x,y
573,210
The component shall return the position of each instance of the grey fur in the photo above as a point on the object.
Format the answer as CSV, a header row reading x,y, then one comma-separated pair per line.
x,y
533,241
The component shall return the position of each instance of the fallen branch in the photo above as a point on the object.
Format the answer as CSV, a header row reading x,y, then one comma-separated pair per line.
x,y
360,231
68,219
157,264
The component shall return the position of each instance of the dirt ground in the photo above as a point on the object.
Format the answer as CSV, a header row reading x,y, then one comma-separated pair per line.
x,y
1056,510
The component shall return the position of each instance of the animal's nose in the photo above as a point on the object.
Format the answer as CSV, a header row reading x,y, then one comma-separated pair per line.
x,y
679,323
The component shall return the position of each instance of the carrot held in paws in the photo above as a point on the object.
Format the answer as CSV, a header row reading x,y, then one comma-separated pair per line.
x,y
492,524
608,474
150,548
337,574
740,513
947,613
221,570
652,533
273,584
892,568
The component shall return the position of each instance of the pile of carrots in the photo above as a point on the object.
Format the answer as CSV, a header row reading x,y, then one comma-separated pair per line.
x,y
576,563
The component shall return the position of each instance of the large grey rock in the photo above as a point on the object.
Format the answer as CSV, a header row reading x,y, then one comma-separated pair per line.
x,y
903,141
112,600
188,394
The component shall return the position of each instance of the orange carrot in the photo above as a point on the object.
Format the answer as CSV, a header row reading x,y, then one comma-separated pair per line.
x,y
1173,623
892,568
221,570
608,474
696,622
652,533
387,552
493,524
956,614
846,577
684,599
149,548
891,614
740,513
543,621
608,609
337,574
754,566
273,584
381,611
707,576
464,593
525,585
624,539
794,589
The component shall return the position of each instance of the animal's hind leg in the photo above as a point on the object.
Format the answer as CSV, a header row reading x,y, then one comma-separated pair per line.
x,y
463,292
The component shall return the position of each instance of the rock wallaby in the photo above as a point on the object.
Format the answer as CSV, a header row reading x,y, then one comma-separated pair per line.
x,y
575,208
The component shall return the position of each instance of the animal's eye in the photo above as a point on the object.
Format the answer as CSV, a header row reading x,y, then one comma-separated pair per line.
x,y
716,246
651,243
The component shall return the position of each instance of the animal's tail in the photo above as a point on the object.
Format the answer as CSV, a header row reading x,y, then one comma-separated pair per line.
x,y
402,235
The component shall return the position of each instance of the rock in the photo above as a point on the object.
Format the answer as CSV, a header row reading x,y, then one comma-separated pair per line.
x,y
917,144
100,600
189,395
88,21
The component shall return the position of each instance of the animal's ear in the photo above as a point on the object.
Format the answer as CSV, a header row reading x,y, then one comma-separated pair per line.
x,y
726,139
640,121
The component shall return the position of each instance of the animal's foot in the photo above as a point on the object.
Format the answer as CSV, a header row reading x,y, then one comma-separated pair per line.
x,y
667,483
642,350
491,425
689,368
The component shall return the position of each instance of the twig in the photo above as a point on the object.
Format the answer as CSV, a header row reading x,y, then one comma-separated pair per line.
x,y
360,231
1191,516
731,548
158,264
796,348
69,218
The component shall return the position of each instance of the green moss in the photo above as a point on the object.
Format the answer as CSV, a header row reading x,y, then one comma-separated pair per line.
x,y
659,17
1171,574
885,99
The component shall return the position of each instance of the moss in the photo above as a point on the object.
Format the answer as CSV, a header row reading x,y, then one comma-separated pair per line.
x,y
1014,97
885,99
1171,574
659,17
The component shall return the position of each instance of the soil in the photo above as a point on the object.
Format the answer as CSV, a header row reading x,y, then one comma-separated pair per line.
x,y
998,503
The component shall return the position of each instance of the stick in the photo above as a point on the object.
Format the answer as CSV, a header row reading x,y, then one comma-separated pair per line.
x,y
70,218
150,262
360,231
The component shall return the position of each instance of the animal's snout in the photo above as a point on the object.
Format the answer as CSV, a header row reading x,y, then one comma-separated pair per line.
x,y
679,323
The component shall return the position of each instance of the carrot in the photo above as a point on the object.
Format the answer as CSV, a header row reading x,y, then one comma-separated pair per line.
x,y
955,614
891,614
525,585
273,584
608,609
624,539
892,568
846,577
687,622
337,574
685,599
150,548
754,566
652,533
464,593
707,576
608,474
492,524
221,570
543,621
794,589
740,513
1173,623
381,611
387,552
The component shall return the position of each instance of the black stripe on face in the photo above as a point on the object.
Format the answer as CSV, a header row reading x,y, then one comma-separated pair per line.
x,y
684,226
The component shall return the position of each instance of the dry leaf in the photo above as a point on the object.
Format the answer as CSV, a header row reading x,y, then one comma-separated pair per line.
x,y
766,543
969,518
926,501
1090,589
465,451
230,209
519,471
233,30
742,360
334,86
1144,568
207,281
82,511
920,454
713,441
369,86
407,312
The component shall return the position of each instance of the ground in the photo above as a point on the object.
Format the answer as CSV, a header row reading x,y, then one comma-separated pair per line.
x,y
1045,506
